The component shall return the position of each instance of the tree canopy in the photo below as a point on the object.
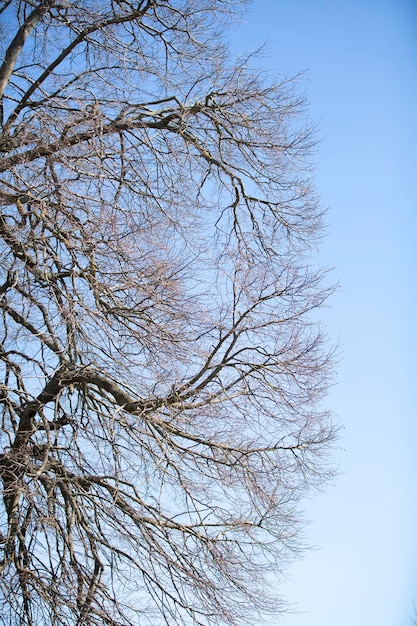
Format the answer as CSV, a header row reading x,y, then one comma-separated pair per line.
x,y
162,371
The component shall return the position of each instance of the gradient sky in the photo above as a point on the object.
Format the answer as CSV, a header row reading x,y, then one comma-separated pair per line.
x,y
360,62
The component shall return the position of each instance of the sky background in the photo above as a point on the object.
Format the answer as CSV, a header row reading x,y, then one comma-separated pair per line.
x,y
360,62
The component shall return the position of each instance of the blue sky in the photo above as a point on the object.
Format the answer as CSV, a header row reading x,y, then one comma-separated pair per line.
x,y
360,60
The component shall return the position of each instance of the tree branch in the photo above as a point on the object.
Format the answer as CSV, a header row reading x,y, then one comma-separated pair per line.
x,y
18,42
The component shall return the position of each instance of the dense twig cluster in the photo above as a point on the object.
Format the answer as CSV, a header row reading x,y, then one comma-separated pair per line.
x,y
161,377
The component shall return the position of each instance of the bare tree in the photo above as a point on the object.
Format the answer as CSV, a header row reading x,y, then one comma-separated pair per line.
x,y
161,369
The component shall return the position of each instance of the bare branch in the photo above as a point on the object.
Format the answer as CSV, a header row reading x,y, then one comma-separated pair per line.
x,y
161,369
14,49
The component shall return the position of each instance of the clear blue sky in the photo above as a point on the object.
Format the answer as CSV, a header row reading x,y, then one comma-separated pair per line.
x,y
360,59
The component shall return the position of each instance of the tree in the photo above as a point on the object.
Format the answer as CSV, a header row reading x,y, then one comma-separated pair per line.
x,y
162,370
